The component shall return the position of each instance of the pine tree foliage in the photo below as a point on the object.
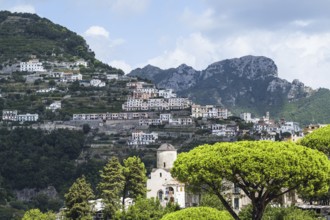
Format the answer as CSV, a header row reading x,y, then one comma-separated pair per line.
x,y
36,214
111,185
135,178
264,170
76,200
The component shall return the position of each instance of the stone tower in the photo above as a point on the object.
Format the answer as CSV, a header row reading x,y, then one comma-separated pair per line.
x,y
166,155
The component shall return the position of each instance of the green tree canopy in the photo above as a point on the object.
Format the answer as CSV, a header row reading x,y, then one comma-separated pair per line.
x,y
143,209
76,200
111,185
198,213
319,140
264,170
36,214
280,213
135,178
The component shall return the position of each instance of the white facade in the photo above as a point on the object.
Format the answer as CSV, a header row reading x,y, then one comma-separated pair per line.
x,y
54,106
156,104
28,117
9,115
224,130
56,74
97,83
81,63
162,185
141,138
76,77
32,66
209,111
166,93
46,90
246,116
112,76
291,127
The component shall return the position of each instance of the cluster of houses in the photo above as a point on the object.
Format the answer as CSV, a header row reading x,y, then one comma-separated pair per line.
x,y
12,115
268,128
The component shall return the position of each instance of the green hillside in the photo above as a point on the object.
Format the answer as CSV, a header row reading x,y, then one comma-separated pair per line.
x,y
313,109
23,34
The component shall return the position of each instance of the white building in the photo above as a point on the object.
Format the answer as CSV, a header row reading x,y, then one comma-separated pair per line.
x,y
246,116
9,115
97,83
75,77
54,106
112,76
163,186
141,138
56,74
81,63
209,111
166,93
46,90
32,66
156,104
291,127
224,130
28,117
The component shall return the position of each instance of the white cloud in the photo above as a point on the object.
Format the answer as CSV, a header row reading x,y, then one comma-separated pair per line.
x,y
100,42
196,50
121,64
298,55
23,8
301,23
97,31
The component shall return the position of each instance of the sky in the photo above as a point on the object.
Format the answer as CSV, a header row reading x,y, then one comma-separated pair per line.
x,y
128,34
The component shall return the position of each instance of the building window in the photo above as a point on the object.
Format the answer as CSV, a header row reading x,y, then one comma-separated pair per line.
x,y
160,195
164,164
160,175
236,203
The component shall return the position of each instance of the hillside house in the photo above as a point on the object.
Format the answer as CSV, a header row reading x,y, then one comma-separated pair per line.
x,y
54,106
81,63
166,93
112,76
97,83
31,66
141,138
224,130
209,111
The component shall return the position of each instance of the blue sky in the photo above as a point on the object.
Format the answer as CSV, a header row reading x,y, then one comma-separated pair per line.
x,y
133,33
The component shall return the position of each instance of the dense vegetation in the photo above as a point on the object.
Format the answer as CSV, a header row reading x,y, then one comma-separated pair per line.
x,y
38,159
23,34
198,213
261,169
313,109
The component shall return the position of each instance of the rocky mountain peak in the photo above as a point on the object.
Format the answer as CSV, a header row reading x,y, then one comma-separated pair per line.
x,y
250,67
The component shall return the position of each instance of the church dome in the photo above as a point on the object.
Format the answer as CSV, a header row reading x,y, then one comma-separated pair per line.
x,y
166,147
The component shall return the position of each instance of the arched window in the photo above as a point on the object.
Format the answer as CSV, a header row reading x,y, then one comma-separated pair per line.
x,y
164,164
160,175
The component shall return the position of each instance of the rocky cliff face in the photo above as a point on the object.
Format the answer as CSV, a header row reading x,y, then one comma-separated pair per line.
x,y
249,83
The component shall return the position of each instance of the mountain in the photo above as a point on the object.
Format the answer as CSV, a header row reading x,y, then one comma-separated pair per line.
x,y
249,83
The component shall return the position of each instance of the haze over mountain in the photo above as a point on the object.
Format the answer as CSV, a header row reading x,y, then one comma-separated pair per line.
x,y
249,83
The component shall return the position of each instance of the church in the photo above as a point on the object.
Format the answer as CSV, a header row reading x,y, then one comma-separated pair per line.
x,y
163,186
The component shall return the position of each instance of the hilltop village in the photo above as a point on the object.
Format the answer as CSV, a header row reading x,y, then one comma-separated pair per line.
x,y
147,115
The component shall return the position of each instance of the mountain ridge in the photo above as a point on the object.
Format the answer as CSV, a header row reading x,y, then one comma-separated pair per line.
x,y
249,83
